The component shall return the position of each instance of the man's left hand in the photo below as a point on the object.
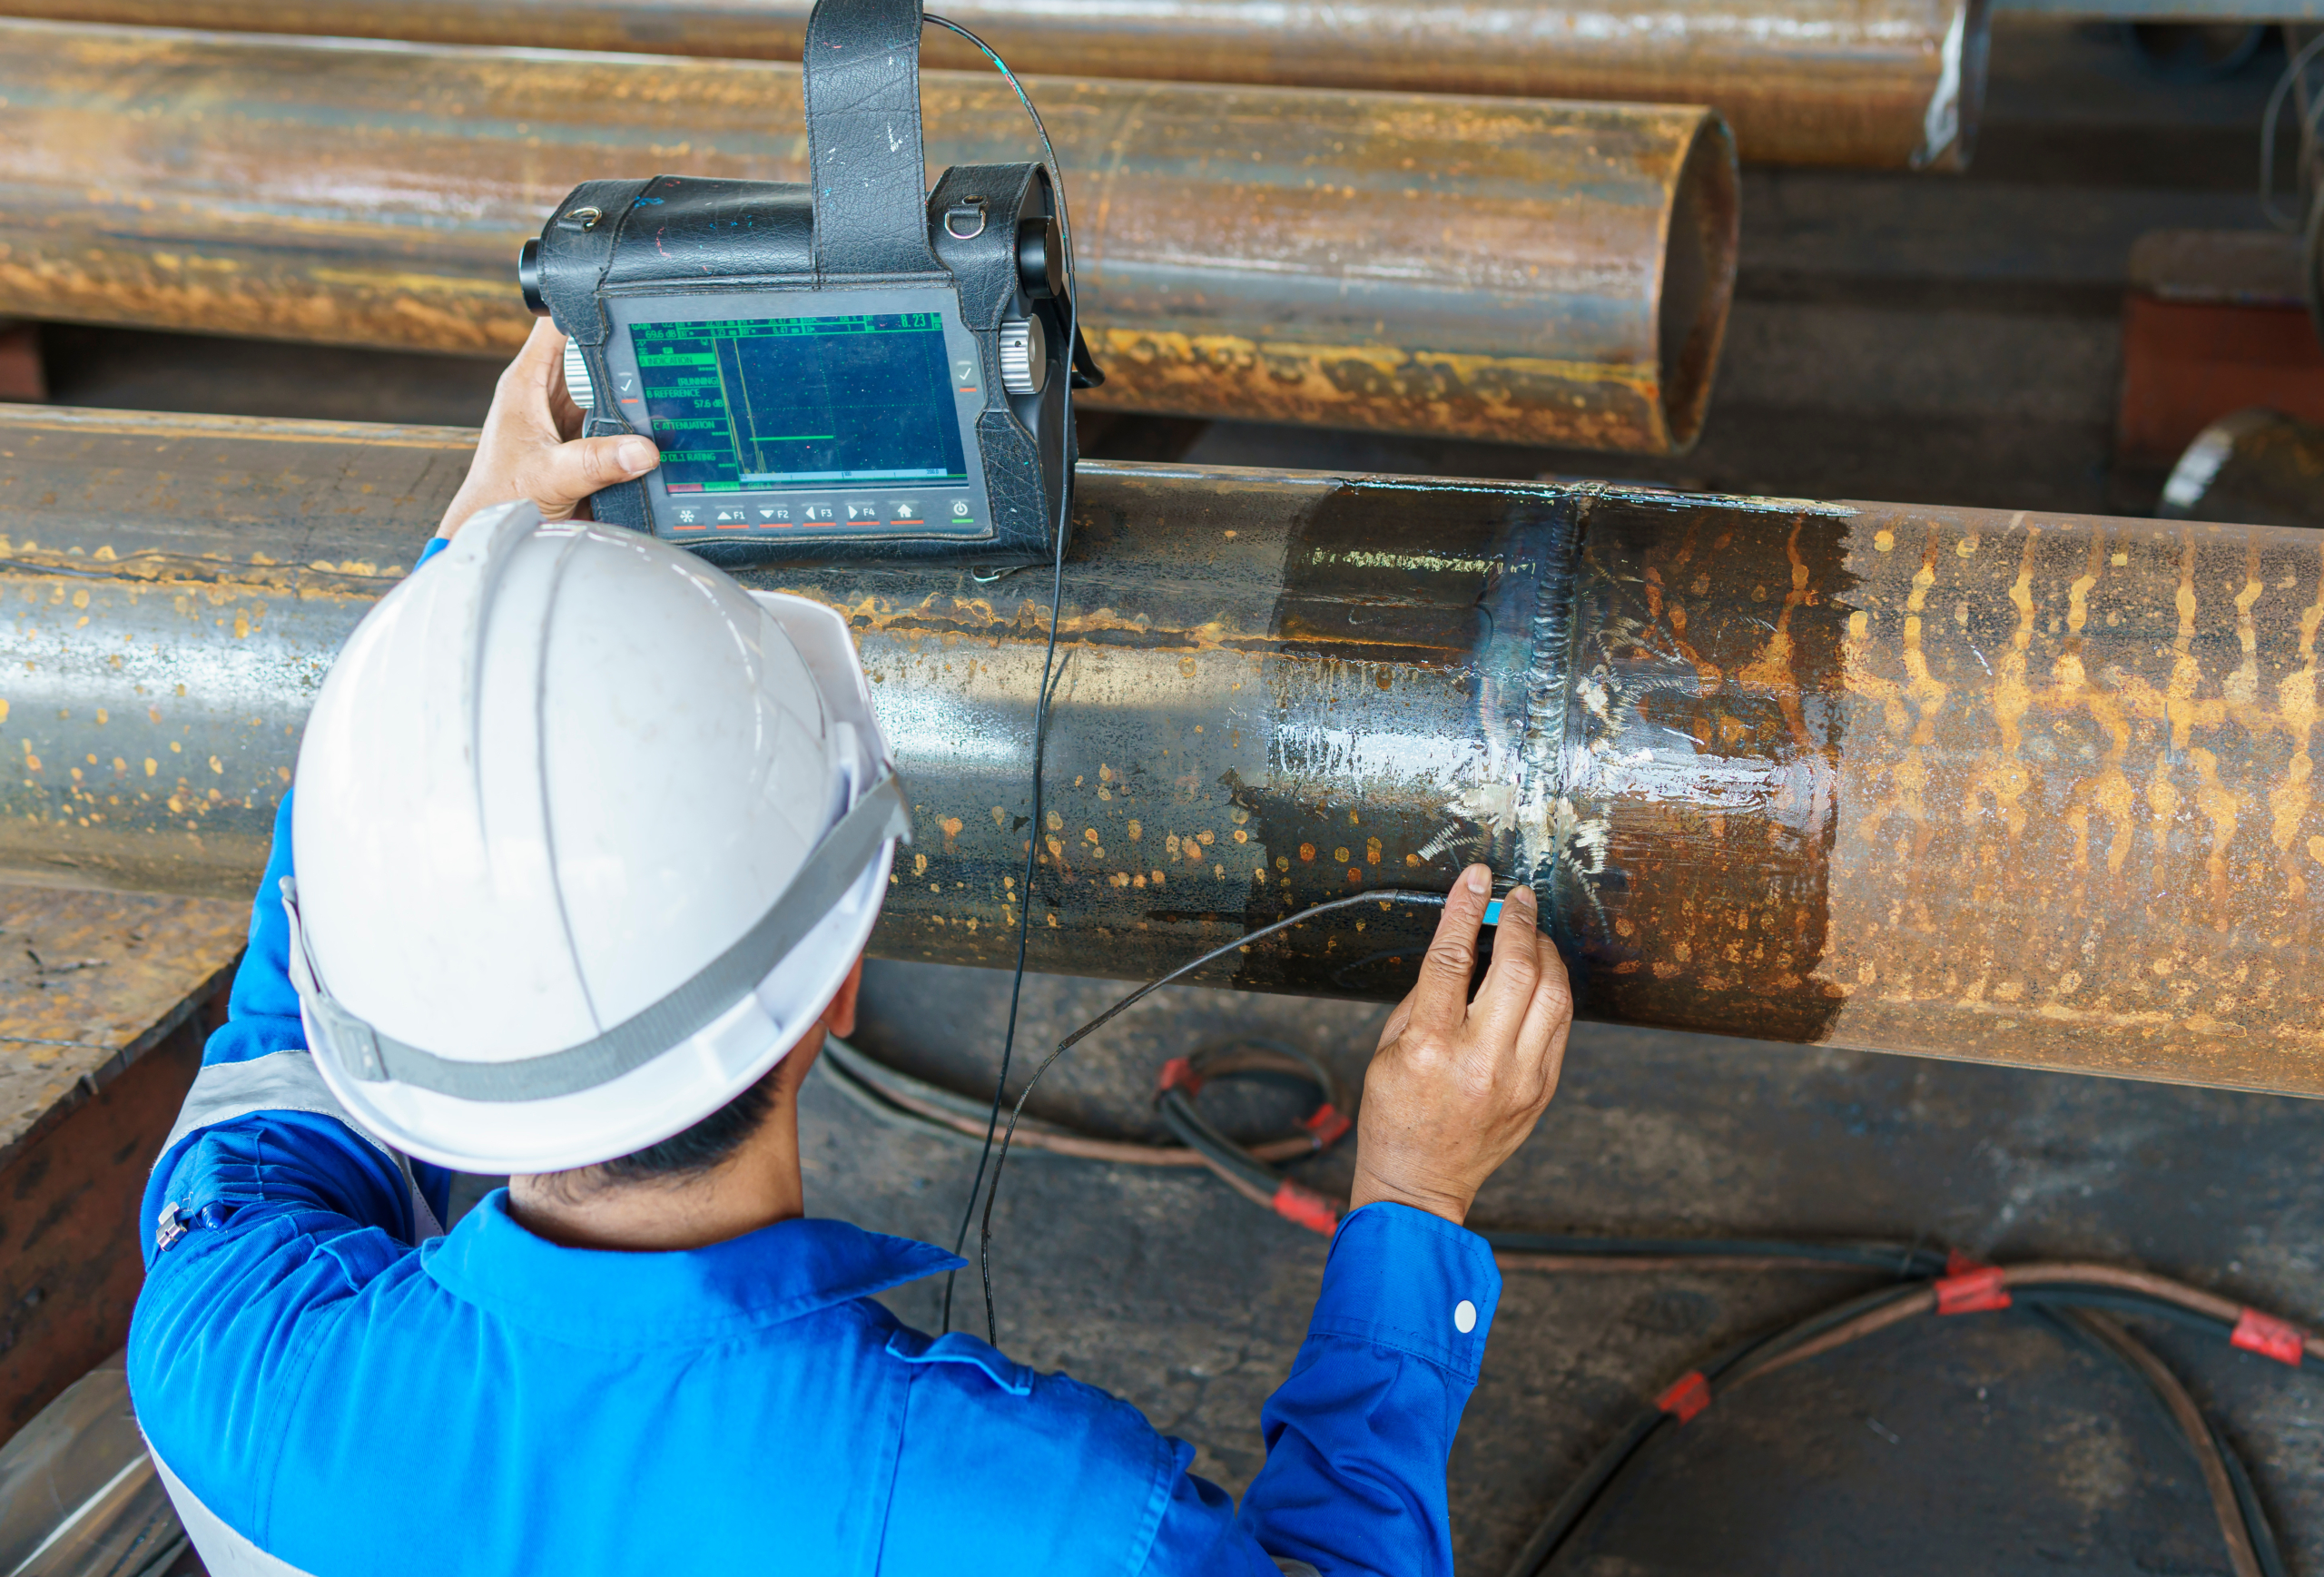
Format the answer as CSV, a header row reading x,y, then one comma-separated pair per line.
x,y
531,447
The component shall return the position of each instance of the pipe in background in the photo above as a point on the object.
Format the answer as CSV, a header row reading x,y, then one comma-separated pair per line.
x,y
1887,85
1540,273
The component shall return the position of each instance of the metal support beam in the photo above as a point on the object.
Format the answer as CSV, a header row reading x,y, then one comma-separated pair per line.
x,y
1541,274
1888,83
2024,789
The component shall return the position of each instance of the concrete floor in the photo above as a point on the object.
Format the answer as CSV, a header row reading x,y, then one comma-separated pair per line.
x,y
1940,340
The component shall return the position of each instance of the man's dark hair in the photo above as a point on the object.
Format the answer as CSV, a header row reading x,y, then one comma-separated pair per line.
x,y
701,1146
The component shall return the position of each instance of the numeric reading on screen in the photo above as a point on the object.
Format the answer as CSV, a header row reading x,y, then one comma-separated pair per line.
x,y
829,405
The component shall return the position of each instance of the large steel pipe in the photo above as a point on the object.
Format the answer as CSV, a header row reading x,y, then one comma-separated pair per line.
x,y
1893,84
1537,272
2026,789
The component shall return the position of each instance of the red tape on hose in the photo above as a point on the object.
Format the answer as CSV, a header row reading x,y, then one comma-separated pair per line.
x,y
1179,1074
1972,1292
1305,1207
2270,1337
1688,1396
1327,1123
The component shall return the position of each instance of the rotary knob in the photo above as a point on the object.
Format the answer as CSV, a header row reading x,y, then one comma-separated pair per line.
x,y
1024,356
577,375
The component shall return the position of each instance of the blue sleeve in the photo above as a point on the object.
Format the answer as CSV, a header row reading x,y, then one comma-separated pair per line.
x,y
312,1162
232,1177
291,1220
1357,1438
263,1010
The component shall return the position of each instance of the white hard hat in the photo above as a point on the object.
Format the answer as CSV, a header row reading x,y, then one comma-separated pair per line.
x,y
587,836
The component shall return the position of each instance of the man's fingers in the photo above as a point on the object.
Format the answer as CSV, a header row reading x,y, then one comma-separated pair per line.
x,y
1515,969
543,349
564,413
1441,1000
571,472
524,403
1398,1017
1549,1016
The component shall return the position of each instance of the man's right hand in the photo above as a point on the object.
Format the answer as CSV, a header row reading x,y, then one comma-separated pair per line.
x,y
531,446
1456,1085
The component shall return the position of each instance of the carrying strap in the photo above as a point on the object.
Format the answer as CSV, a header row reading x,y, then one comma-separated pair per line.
x,y
867,176
834,865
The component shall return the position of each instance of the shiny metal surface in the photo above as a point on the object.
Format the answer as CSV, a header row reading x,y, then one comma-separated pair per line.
x,y
1545,273
2017,788
1890,83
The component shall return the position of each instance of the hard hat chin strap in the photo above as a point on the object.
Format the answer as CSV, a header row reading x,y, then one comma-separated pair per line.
x,y
836,863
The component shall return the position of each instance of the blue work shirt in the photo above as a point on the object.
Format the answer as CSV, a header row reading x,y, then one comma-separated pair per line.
x,y
351,1392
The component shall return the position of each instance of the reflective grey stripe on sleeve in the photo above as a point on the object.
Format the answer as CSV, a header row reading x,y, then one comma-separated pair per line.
x,y
833,866
224,1552
282,1081
277,1081
1291,1568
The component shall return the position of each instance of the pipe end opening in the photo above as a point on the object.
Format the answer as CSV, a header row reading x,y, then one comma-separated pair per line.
x,y
1698,279
1949,129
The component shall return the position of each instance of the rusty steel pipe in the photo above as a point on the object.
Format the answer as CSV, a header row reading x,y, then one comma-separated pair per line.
x,y
1536,272
2026,789
1892,83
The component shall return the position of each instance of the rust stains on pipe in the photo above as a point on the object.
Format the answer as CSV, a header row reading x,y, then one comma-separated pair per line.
x,y
2008,787
1536,272
2034,790
1893,83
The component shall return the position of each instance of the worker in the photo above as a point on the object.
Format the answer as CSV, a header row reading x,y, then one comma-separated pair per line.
x,y
586,846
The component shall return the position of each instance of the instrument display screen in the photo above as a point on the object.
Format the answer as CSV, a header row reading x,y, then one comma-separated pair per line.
x,y
775,404
830,414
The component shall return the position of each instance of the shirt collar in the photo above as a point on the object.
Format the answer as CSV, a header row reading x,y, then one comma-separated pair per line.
x,y
599,1296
